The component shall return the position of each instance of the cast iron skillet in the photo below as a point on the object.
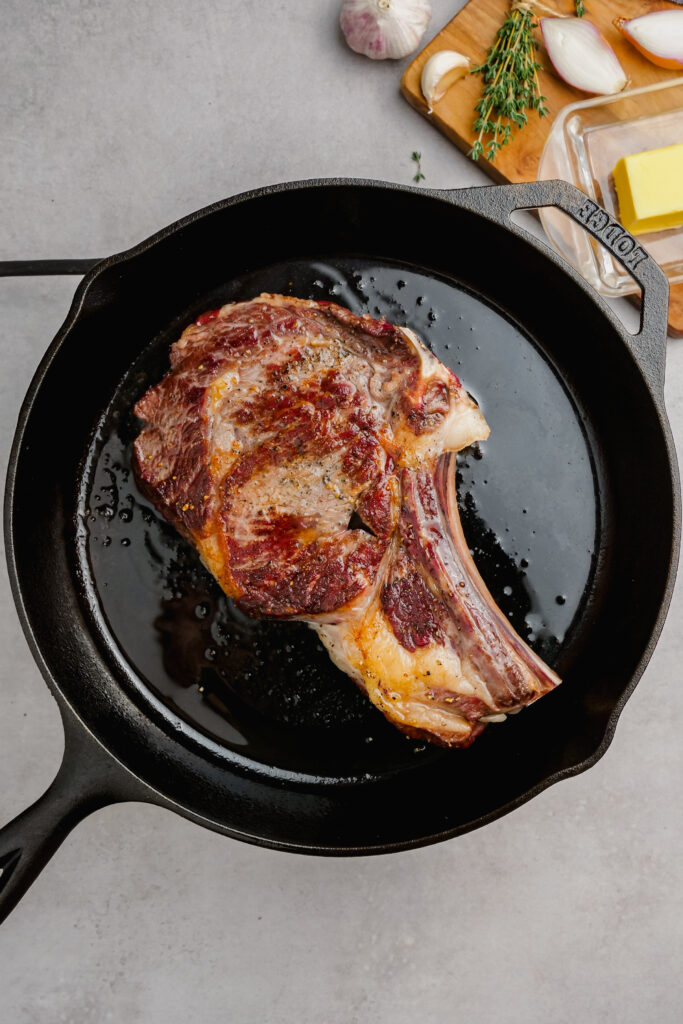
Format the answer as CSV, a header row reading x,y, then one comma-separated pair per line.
x,y
572,509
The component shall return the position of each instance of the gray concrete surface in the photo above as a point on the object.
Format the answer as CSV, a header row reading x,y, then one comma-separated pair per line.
x,y
116,118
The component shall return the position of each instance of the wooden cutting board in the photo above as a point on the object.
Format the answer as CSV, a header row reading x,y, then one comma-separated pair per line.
x,y
472,32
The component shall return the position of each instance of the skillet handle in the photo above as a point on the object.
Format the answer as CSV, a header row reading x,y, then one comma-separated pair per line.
x,y
87,780
43,268
500,201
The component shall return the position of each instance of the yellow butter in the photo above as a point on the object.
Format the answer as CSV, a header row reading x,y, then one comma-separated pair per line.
x,y
650,189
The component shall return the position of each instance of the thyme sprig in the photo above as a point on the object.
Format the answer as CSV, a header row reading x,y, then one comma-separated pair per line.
x,y
580,8
510,74
418,176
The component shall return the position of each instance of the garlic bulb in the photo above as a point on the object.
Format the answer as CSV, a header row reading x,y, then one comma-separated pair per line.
x,y
384,28
440,72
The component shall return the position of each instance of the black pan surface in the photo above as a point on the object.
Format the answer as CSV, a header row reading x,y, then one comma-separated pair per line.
x,y
531,498
572,510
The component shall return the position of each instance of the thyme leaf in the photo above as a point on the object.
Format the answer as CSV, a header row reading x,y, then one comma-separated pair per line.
x,y
418,176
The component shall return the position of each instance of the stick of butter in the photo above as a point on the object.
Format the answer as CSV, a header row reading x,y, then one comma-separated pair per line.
x,y
650,189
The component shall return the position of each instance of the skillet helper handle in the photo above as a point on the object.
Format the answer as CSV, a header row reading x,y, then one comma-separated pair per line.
x,y
649,344
86,781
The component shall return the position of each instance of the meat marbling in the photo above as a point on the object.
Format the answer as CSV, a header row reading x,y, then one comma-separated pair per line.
x,y
309,455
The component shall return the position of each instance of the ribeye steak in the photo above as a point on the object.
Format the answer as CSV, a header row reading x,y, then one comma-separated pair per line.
x,y
309,454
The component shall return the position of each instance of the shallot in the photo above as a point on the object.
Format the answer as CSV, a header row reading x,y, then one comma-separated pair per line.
x,y
581,55
384,28
658,36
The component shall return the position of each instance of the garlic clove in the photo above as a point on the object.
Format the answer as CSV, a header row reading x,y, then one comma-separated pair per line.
x,y
658,36
382,29
440,72
582,56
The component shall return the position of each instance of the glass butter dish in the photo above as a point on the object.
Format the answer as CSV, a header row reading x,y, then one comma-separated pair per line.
x,y
585,143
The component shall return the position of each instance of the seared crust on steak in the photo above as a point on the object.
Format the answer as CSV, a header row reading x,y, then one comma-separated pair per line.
x,y
301,448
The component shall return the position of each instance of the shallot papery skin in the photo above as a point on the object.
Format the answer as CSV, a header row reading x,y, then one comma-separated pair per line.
x,y
658,36
581,56
382,29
